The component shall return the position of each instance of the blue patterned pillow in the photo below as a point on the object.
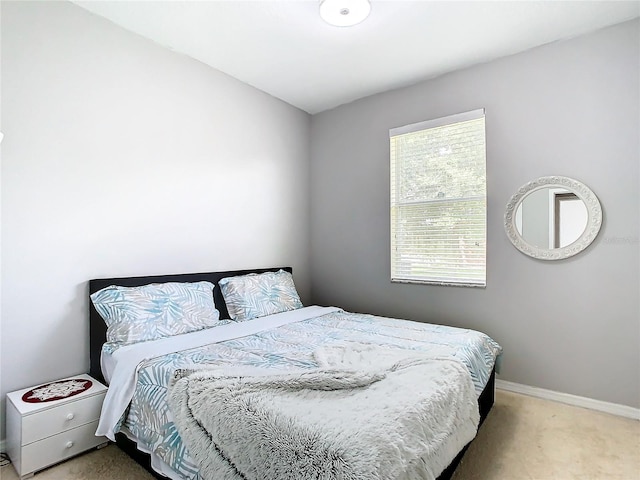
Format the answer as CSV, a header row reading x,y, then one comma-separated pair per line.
x,y
139,314
259,294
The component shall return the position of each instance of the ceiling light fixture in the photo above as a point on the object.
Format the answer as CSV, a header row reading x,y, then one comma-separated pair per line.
x,y
344,13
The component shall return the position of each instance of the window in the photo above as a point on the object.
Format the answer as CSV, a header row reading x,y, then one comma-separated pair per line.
x,y
439,201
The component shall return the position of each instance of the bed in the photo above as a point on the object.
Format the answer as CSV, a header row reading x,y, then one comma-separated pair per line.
x,y
146,429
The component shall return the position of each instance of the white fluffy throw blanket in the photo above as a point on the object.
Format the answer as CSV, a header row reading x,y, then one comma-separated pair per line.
x,y
366,413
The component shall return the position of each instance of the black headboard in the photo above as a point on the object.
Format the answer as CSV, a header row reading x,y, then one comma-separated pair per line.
x,y
98,329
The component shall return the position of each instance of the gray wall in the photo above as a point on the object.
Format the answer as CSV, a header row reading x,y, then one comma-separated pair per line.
x,y
123,158
569,108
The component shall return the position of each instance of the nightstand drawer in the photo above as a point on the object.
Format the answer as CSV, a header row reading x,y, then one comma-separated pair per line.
x,y
53,449
45,423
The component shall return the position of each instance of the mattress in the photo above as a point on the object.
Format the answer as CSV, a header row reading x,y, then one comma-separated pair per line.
x,y
283,341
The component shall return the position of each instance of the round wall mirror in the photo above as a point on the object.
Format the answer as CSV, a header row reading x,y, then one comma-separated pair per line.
x,y
553,218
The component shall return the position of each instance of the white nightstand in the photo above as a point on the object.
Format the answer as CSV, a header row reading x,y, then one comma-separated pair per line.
x,y
41,434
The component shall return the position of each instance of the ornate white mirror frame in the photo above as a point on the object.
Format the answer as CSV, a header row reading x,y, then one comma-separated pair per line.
x,y
584,193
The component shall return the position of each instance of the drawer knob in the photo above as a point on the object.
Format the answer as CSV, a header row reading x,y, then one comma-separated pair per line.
x,y
69,444
70,416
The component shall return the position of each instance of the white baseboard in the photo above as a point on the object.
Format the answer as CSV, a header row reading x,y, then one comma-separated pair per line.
x,y
575,400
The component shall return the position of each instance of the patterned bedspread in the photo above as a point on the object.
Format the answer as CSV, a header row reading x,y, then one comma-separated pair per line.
x,y
290,346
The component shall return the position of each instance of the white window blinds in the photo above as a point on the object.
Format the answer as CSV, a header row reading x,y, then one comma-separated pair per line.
x,y
438,201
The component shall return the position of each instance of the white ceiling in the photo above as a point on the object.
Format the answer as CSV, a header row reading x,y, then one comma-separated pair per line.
x,y
282,47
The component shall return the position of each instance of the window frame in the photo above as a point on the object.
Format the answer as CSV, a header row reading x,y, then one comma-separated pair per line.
x,y
430,278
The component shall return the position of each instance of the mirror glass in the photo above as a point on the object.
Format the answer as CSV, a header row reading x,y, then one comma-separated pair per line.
x,y
553,218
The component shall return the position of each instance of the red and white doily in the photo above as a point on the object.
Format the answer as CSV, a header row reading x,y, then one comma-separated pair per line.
x,y
57,390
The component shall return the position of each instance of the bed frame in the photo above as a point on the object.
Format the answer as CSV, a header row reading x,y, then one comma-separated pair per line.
x,y
98,335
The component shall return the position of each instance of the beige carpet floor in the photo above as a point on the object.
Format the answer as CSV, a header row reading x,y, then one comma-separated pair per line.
x,y
523,438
